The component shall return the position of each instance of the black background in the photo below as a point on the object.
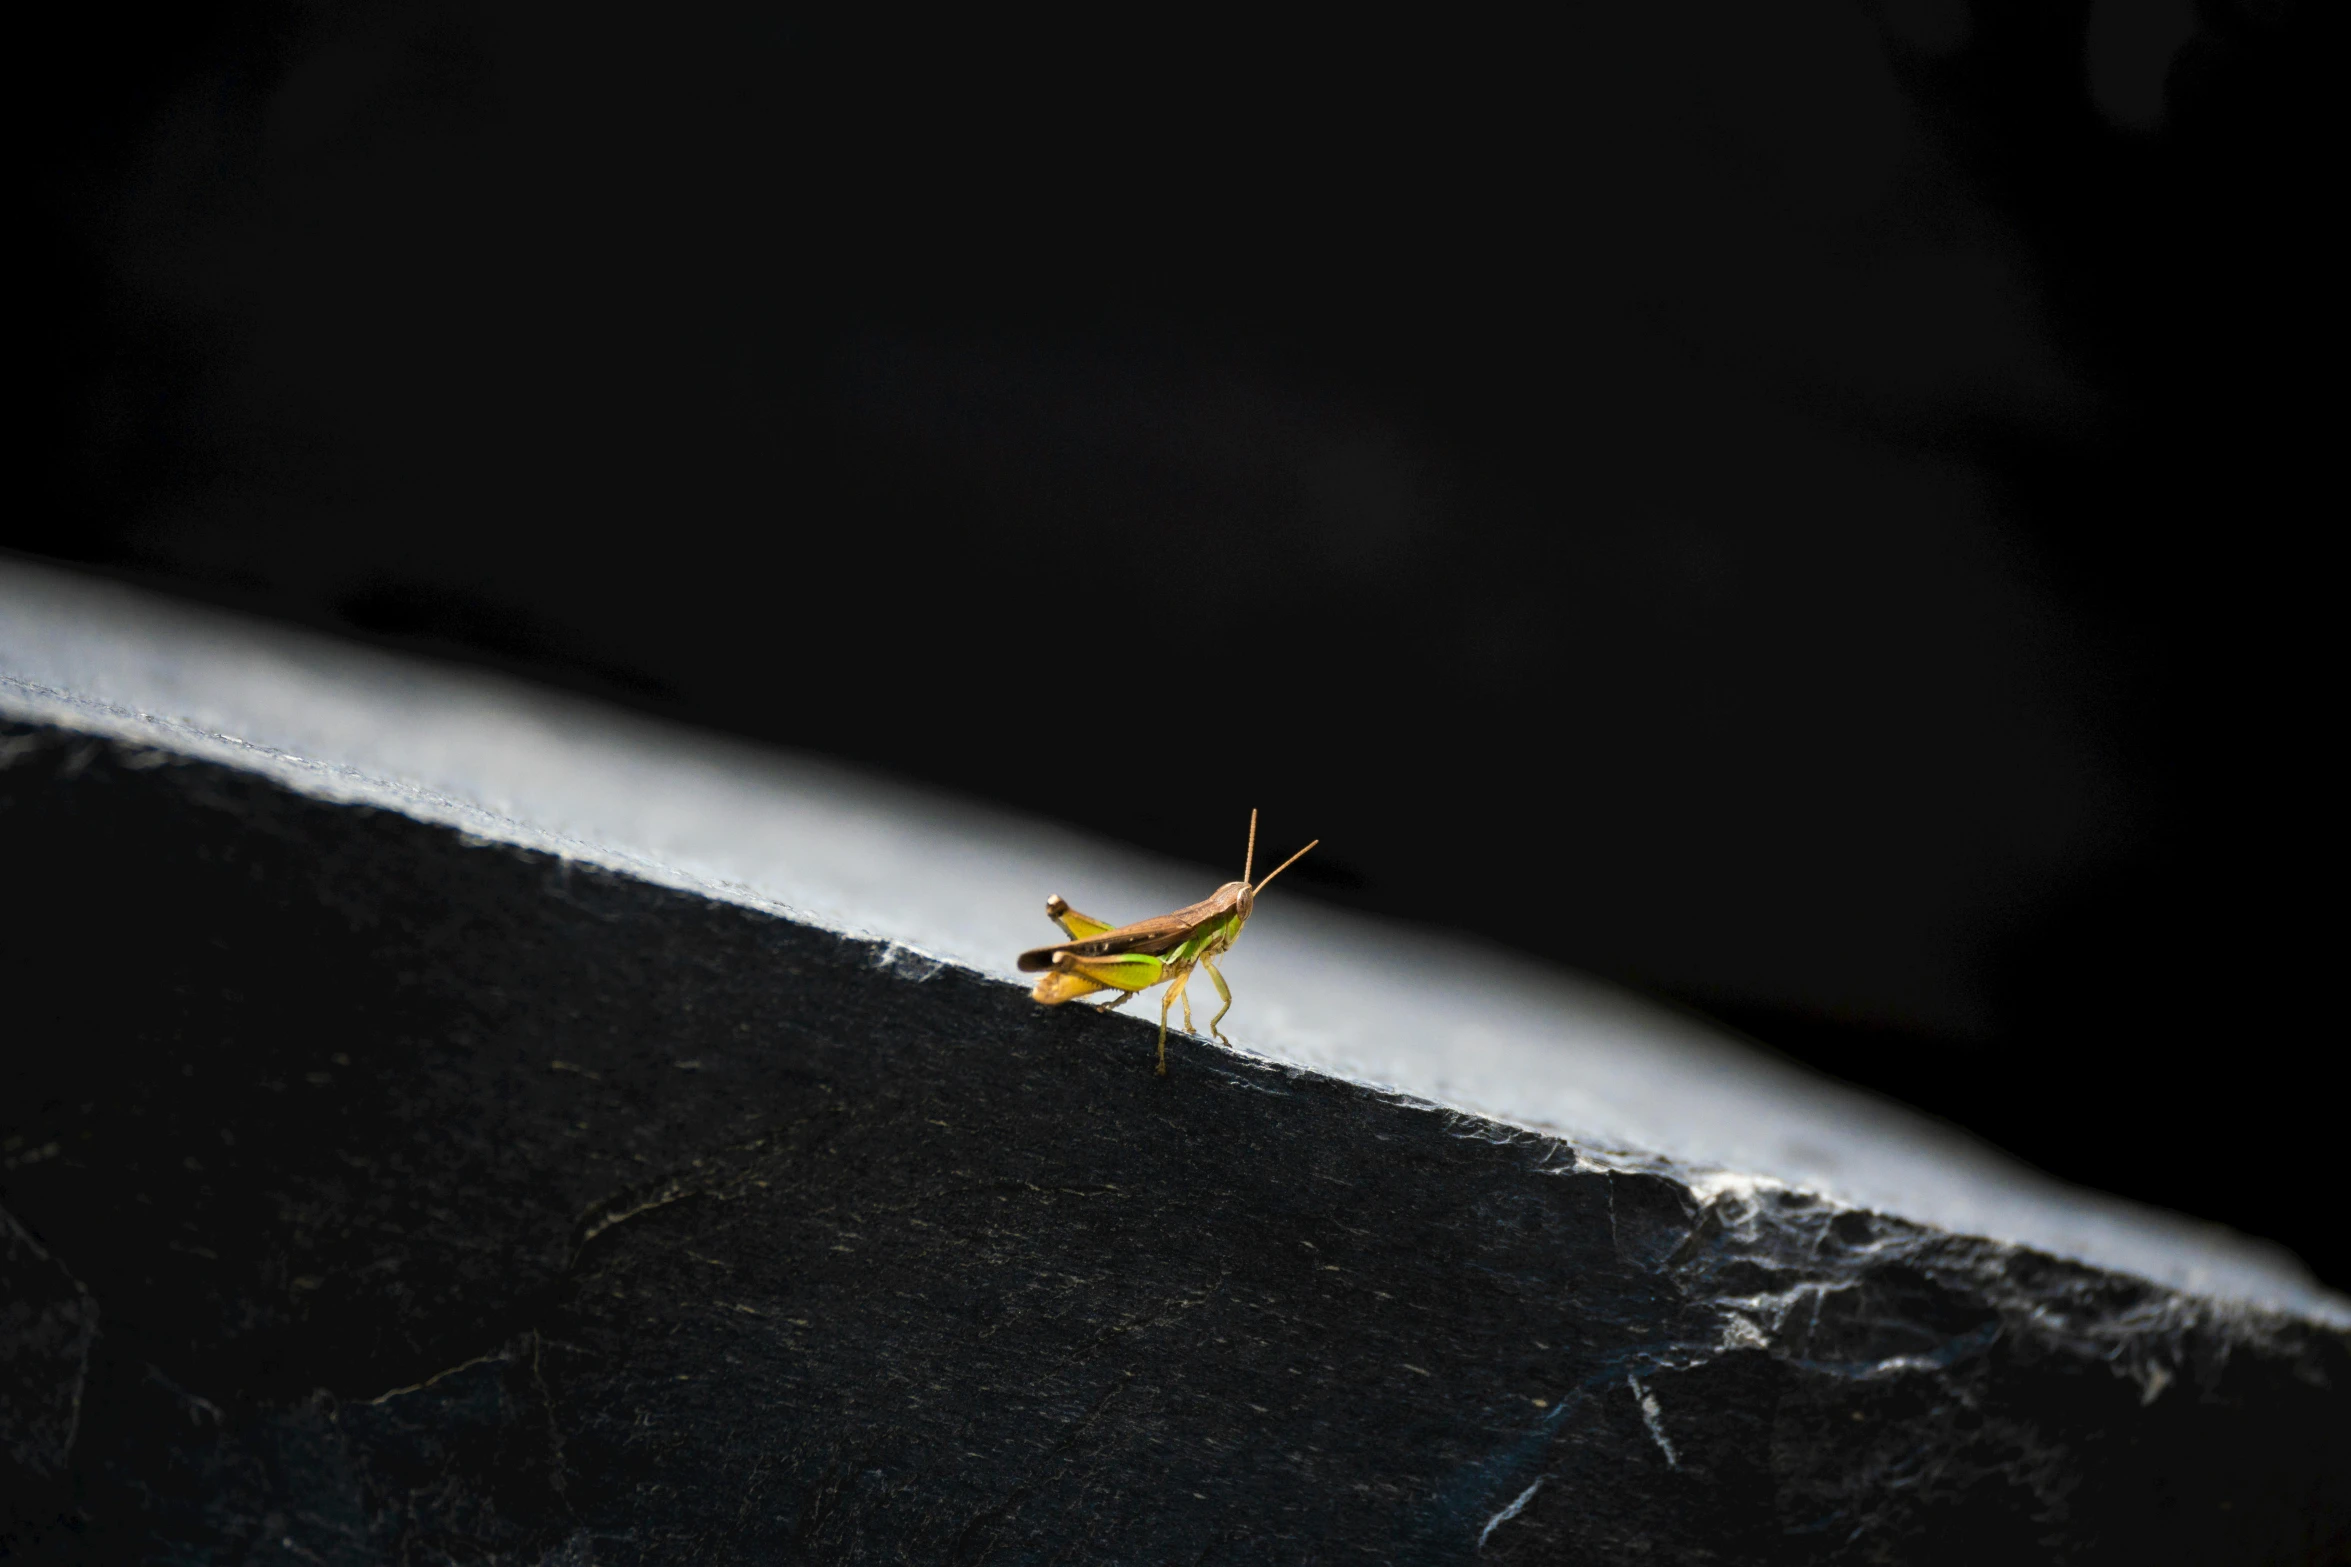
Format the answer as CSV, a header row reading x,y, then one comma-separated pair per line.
x,y
1803,514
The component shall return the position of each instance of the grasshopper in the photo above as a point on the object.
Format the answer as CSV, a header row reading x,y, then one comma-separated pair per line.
x,y
1135,957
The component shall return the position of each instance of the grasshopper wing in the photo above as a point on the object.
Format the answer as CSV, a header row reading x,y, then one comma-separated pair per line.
x,y
1163,934
1144,936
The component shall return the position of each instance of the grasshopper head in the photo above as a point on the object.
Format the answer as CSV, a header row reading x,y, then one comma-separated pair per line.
x,y
1241,895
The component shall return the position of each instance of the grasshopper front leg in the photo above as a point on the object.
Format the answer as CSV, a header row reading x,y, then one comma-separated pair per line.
x,y
1222,990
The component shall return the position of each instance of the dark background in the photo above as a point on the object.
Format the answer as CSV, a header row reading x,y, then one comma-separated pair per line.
x,y
1801,513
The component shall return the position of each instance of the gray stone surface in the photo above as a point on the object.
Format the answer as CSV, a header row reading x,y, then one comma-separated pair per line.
x,y
1418,1013
446,1122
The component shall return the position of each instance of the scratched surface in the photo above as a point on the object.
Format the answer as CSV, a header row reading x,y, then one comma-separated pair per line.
x,y
390,1196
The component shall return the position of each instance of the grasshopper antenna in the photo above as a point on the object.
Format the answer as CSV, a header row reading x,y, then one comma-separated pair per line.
x,y
1250,858
1277,870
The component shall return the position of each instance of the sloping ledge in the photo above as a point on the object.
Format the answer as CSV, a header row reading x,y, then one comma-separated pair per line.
x,y
402,1160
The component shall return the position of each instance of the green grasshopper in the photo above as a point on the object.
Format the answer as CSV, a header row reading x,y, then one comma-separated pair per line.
x,y
1135,957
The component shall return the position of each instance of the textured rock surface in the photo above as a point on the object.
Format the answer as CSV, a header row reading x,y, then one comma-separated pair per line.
x,y
381,1194
1411,1009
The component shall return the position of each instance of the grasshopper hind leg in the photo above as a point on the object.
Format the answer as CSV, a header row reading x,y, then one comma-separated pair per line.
x,y
1076,926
